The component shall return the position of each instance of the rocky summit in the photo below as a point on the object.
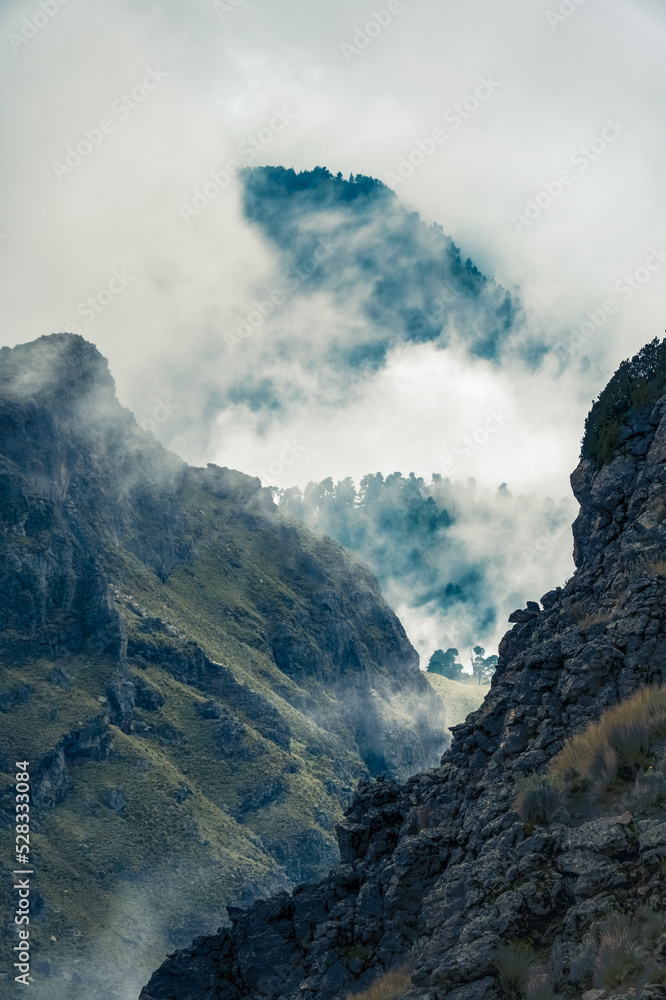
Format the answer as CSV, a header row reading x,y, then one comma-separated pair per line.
x,y
197,681
530,862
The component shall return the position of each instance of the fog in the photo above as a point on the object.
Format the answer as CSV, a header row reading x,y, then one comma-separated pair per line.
x,y
531,131
219,75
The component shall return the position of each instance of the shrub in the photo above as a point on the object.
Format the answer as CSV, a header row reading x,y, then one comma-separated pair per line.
x,y
585,619
538,799
513,964
424,817
594,618
390,986
615,747
419,946
635,387
651,925
576,612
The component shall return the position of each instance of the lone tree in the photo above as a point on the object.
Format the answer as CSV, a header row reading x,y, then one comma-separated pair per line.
x,y
445,664
483,667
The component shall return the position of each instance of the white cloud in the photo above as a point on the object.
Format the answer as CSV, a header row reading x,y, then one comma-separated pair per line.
x,y
164,334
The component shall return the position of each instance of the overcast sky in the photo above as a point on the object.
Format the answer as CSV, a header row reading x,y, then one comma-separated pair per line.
x,y
579,91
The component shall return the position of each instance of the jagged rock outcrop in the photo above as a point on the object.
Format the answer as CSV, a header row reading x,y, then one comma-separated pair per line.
x,y
434,872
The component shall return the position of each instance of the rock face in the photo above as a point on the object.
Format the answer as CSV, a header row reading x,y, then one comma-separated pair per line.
x,y
186,669
435,871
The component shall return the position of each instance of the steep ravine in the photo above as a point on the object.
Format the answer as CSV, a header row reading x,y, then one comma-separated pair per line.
x,y
437,870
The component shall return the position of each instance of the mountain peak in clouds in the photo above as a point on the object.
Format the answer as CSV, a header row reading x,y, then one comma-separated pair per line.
x,y
406,281
321,185
62,363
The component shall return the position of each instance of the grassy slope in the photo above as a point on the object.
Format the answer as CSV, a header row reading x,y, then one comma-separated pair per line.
x,y
130,884
459,699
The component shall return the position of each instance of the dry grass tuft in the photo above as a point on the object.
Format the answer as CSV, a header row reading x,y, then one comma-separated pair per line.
x,y
650,565
618,953
539,983
616,747
539,989
659,509
514,964
391,986
657,567
594,618
651,924
620,958
578,615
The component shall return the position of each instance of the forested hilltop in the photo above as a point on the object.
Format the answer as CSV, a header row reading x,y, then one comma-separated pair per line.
x,y
355,276
345,280
409,279
451,558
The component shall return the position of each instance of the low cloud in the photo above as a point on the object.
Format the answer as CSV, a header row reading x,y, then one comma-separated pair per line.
x,y
228,68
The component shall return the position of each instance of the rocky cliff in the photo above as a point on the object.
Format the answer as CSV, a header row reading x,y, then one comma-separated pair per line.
x,y
198,681
446,880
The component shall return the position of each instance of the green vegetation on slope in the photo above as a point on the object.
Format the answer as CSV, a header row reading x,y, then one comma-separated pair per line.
x,y
150,842
615,767
460,699
416,535
634,389
408,279
140,853
616,763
